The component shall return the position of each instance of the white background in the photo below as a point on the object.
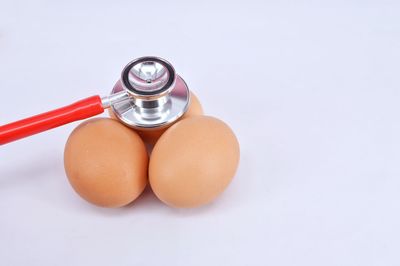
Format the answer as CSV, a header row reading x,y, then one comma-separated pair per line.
x,y
311,89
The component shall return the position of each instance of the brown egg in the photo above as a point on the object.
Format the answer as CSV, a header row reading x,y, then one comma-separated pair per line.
x,y
194,107
106,162
151,136
193,161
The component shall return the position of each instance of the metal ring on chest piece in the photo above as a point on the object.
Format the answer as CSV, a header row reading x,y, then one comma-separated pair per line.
x,y
157,95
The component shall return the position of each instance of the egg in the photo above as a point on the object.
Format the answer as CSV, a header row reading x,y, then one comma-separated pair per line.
x,y
193,162
106,163
194,108
151,136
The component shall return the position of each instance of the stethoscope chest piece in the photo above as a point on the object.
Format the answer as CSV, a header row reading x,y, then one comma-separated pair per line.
x,y
157,96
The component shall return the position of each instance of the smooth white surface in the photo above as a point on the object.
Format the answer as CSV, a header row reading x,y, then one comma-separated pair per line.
x,y
311,89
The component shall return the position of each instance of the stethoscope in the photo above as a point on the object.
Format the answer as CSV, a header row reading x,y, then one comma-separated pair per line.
x,y
148,95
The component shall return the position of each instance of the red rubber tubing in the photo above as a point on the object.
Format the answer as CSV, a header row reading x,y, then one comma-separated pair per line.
x,y
29,126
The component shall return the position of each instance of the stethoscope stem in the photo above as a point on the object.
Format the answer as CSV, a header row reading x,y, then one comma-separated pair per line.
x,y
109,100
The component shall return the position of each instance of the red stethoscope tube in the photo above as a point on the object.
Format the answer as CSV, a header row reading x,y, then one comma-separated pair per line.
x,y
29,126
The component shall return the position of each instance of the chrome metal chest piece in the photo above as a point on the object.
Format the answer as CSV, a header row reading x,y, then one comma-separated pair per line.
x,y
149,94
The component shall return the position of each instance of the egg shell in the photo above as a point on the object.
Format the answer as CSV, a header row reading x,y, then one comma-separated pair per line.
x,y
194,108
151,136
106,162
193,162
